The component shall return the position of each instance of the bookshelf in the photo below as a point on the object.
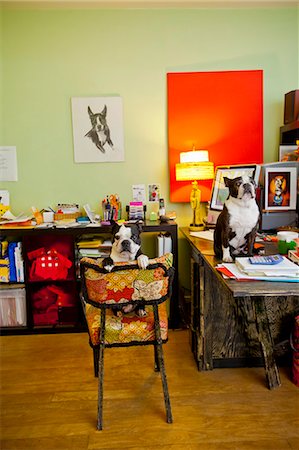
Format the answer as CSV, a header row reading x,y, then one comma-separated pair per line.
x,y
60,295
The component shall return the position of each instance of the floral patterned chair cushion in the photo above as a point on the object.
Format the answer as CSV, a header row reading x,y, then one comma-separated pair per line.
x,y
125,329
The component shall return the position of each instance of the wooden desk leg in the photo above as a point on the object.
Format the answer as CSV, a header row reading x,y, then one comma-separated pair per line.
x,y
201,325
265,339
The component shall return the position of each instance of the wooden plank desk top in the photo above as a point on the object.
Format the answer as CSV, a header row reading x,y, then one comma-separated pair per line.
x,y
204,248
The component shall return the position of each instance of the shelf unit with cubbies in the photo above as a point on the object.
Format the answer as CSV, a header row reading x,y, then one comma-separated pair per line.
x,y
51,298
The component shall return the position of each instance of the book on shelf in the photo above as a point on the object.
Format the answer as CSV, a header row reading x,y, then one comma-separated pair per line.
x,y
164,244
16,262
93,243
94,253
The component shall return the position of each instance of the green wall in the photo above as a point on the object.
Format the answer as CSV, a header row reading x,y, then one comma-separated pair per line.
x,y
51,55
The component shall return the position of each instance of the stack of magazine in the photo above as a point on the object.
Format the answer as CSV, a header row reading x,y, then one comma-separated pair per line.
x,y
94,247
242,269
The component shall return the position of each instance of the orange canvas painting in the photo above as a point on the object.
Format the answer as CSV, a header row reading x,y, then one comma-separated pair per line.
x,y
221,112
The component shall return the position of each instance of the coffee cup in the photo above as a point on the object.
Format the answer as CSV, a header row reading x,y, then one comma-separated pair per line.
x,y
286,241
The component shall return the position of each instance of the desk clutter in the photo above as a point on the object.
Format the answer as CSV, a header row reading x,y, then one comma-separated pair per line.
x,y
283,266
243,270
70,215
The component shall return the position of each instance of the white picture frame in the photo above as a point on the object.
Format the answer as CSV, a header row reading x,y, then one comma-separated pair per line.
x,y
220,191
98,134
280,188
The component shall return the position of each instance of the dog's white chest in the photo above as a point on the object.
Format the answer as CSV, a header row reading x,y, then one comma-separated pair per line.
x,y
102,137
242,220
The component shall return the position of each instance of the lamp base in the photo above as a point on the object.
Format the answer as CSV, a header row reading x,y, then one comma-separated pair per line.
x,y
199,227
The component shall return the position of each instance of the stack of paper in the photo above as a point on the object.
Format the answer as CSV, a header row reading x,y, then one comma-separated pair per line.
x,y
92,243
283,268
9,220
206,234
94,248
230,270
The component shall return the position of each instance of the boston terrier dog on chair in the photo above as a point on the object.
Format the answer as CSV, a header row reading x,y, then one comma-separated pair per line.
x,y
100,132
237,223
126,246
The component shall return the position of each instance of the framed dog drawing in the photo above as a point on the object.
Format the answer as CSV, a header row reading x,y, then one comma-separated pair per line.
x,y
220,191
98,129
280,188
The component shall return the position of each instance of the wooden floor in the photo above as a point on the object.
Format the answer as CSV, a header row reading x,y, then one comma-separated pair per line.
x,y
49,400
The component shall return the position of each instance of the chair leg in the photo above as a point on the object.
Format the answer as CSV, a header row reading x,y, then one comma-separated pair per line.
x,y
157,365
161,364
101,370
96,361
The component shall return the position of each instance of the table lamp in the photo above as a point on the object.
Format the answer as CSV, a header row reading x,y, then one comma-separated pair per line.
x,y
195,165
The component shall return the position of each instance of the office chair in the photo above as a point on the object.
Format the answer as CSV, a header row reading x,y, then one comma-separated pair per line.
x,y
104,292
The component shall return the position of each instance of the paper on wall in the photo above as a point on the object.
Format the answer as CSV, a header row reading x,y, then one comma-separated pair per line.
x,y
8,164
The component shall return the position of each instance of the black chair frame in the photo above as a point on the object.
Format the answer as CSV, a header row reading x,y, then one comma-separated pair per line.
x,y
98,350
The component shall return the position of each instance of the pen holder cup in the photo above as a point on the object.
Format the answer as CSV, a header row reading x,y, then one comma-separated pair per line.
x,y
286,241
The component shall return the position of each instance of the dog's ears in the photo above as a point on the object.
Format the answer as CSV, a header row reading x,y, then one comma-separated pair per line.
x,y
252,181
139,226
115,226
89,112
227,181
104,112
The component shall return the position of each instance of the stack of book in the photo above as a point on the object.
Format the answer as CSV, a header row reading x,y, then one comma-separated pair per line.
x,y
94,247
242,269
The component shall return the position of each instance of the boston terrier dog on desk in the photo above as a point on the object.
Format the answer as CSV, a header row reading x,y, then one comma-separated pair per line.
x,y
237,224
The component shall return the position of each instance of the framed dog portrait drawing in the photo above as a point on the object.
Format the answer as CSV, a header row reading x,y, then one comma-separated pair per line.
x,y
220,191
98,129
280,188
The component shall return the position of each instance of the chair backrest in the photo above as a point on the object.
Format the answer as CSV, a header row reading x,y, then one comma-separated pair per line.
x,y
126,283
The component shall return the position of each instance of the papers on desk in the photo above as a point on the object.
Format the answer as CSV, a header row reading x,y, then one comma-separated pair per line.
x,y
232,271
283,268
207,234
11,220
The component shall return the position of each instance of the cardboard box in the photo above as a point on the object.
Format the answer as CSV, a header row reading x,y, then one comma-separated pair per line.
x,y
291,107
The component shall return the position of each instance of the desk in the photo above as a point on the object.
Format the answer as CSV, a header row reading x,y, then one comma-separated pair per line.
x,y
233,321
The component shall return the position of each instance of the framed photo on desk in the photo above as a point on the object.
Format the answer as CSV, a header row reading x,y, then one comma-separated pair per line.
x,y
280,188
220,191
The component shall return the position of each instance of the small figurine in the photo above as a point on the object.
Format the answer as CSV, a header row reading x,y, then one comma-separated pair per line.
x,y
195,198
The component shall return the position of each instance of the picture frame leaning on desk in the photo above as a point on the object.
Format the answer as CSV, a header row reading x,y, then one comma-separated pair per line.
x,y
220,191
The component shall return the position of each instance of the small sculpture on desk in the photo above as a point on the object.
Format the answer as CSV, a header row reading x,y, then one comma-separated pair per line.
x,y
195,199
